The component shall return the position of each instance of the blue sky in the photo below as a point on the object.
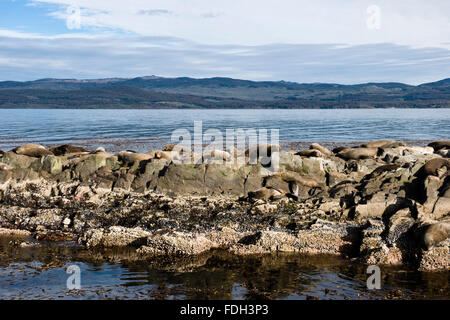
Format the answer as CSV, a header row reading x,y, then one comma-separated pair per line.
x,y
351,41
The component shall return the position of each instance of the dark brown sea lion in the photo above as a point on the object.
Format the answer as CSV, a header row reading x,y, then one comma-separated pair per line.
x,y
384,168
434,166
32,150
261,152
266,194
322,149
66,149
358,153
438,145
339,149
131,157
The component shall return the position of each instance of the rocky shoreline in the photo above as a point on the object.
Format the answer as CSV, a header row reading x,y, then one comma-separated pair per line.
x,y
383,202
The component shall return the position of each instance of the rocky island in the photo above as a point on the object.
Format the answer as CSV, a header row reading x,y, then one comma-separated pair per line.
x,y
382,202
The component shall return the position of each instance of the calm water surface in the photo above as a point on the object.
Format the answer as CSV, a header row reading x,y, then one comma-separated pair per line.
x,y
40,273
148,128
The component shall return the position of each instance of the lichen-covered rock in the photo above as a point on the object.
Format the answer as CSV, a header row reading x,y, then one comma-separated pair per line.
x,y
115,236
436,258
52,164
176,243
375,208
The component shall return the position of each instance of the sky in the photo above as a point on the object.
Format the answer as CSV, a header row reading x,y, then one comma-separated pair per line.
x,y
334,41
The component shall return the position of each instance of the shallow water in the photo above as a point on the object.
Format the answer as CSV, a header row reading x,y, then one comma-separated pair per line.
x,y
146,129
40,273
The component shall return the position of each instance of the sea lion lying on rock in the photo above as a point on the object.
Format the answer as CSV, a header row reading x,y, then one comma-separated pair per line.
x,y
395,144
264,193
166,155
436,233
131,157
296,179
438,145
358,153
323,150
436,167
377,144
66,149
310,153
262,150
217,155
339,149
32,150
384,168
174,147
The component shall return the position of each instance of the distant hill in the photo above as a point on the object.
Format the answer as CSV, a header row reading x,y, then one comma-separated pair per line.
x,y
159,92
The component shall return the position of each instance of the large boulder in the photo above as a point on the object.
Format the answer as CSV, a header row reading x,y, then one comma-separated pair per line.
x,y
52,164
88,166
18,161
224,179
147,172
181,179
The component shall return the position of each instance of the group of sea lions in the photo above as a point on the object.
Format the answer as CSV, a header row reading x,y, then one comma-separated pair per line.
x,y
280,184
169,152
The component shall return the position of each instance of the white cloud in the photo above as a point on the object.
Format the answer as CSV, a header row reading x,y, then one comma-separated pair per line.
x,y
29,57
256,22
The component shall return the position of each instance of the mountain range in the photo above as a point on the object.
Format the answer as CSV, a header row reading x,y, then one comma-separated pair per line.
x,y
159,92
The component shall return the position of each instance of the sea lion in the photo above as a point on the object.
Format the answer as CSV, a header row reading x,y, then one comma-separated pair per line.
x,y
377,144
436,167
264,193
395,144
339,149
66,149
168,147
358,153
310,153
436,233
32,150
216,155
384,168
322,149
297,179
175,147
166,155
131,157
262,149
438,145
